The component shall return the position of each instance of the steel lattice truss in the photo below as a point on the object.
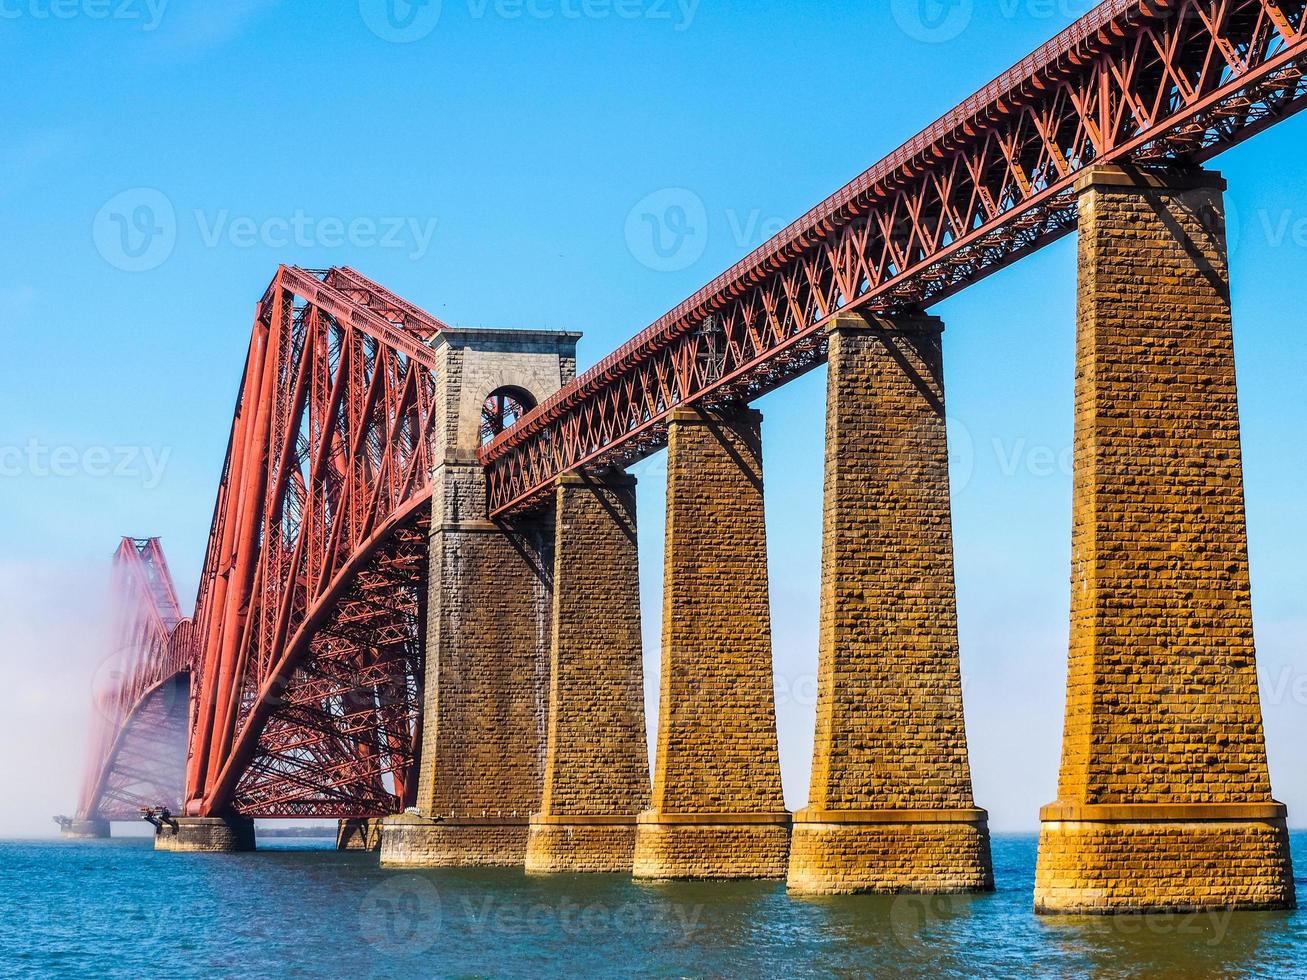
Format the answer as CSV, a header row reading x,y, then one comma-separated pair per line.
x,y
310,605
1144,82
142,692
309,620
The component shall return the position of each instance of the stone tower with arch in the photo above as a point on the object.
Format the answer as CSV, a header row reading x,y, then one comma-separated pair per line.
x,y
488,614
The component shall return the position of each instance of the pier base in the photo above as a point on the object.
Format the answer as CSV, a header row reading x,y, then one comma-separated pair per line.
x,y
890,852
412,841
211,835
359,835
85,830
580,845
712,845
1102,860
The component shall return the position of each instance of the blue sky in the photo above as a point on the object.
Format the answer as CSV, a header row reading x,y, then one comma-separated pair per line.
x,y
491,164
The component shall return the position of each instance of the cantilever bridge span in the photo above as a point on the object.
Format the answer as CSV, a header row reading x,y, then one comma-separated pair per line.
x,y
419,594
141,697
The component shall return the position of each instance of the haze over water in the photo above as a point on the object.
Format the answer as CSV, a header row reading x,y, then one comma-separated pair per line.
x,y
119,909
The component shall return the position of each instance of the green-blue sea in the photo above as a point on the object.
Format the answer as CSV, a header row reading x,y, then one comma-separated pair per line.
x,y
299,909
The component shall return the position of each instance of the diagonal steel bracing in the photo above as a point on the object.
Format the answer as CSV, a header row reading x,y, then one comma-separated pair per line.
x,y
1136,81
309,620
309,612
141,699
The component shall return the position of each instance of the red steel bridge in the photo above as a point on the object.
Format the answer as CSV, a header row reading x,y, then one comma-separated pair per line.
x,y
308,635
142,693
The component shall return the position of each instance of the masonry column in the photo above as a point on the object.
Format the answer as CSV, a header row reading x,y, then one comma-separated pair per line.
x,y
1164,800
718,810
486,686
487,679
890,809
597,761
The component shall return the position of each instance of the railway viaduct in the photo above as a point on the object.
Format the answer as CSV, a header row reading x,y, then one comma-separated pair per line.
x,y
419,611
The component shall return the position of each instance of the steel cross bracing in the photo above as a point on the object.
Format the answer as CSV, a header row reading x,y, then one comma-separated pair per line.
x,y
1144,82
141,695
309,621
310,609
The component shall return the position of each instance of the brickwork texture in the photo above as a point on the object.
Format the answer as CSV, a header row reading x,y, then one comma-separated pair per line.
x,y
414,841
488,622
597,767
890,736
717,756
1162,701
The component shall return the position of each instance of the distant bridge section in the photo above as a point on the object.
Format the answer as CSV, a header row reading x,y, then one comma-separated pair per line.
x,y
141,695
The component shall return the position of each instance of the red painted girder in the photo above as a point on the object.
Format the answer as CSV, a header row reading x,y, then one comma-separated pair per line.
x,y
384,303
1148,82
151,648
324,493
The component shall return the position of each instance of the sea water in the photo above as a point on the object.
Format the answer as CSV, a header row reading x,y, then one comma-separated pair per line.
x,y
117,908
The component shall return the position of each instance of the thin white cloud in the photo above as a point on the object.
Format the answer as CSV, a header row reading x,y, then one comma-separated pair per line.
x,y
201,24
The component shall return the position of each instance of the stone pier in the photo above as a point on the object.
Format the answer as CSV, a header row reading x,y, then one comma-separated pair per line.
x,y
94,828
718,810
488,619
212,835
1164,800
890,808
362,834
597,768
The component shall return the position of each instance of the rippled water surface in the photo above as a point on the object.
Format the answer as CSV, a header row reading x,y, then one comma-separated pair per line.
x,y
116,908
